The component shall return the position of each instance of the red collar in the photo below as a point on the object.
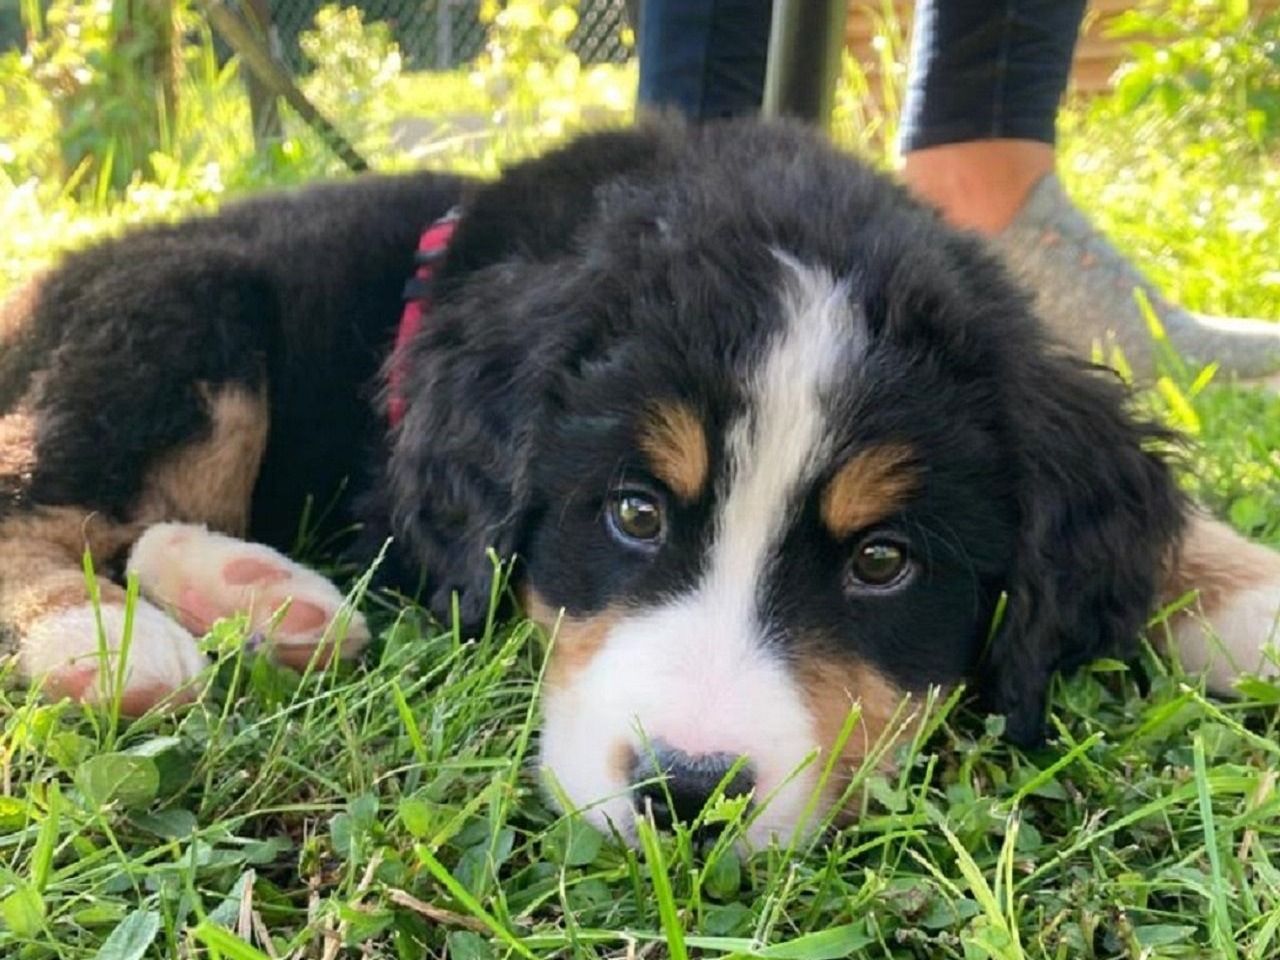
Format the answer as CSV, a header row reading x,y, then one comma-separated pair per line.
x,y
432,246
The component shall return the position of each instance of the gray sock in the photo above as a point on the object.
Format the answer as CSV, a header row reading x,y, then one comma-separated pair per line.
x,y
1085,288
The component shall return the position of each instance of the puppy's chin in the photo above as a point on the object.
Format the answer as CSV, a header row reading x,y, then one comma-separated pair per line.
x,y
670,676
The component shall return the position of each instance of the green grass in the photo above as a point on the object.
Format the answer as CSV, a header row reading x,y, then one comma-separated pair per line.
x,y
395,804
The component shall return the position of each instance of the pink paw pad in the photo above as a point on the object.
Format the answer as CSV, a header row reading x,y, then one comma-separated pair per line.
x,y
72,681
204,577
245,571
62,652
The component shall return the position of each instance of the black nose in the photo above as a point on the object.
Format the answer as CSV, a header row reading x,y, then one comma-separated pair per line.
x,y
676,785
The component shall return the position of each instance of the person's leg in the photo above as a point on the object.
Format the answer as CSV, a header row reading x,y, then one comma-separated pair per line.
x,y
705,58
978,124
978,143
978,184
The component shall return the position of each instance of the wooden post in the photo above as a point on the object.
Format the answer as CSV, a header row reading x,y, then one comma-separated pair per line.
x,y
165,55
804,59
444,34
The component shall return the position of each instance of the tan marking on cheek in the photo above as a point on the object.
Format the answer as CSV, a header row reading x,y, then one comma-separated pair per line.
x,y
577,639
831,686
211,480
676,444
871,485
621,759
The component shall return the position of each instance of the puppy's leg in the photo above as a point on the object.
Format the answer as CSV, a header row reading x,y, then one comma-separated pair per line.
x,y
1237,612
201,575
184,570
44,601
150,407
47,615
45,606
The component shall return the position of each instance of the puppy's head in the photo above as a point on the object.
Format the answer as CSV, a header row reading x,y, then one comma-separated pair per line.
x,y
771,442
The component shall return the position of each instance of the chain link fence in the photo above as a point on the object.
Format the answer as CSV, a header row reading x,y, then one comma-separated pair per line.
x,y
440,34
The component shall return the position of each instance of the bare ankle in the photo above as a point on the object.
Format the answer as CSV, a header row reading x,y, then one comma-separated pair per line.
x,y
978,185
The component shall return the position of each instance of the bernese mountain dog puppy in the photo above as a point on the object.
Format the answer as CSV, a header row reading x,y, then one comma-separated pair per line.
x,y
768,439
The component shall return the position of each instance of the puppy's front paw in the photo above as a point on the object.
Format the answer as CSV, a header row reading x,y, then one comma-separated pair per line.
x,y
204,576
1233,637
62,649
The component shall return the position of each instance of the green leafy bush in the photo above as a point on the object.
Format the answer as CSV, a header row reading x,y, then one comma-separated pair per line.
x,y
869,97
78,158
109,69
28,124
1211,69
536,88
354,66
1178,164
527,68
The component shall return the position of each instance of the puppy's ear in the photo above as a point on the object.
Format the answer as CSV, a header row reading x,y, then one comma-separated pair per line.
x,y
534,210
1100,516
481,378
456,481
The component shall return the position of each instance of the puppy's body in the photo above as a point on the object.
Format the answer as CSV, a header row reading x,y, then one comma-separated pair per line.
x,y
291,297
769,439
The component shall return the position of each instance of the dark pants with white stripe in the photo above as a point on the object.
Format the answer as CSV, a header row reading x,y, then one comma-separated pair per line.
x,y
980,69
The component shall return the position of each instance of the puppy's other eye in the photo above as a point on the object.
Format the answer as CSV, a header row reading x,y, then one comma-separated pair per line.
x,y
879,564
636,518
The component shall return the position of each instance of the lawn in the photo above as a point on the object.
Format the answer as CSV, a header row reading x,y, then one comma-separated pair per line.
x,y
392,808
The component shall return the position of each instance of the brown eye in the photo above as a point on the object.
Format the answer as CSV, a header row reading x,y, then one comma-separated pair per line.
x,y
879,564
636,518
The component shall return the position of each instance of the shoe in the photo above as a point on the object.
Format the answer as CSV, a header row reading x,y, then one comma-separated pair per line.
x,y
1086,291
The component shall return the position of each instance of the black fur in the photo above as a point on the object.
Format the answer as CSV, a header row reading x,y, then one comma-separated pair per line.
x,y
298,291
623,269
1099,516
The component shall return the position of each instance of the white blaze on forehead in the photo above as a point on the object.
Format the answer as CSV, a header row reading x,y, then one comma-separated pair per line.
x,y
697,671
778,444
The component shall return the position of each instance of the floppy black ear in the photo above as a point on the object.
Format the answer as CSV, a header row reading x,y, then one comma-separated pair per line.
x,y
480,379
1100,516
480,386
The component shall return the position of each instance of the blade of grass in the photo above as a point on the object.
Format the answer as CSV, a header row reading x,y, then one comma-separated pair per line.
x,y
473,906
662,892
224,943
1219,916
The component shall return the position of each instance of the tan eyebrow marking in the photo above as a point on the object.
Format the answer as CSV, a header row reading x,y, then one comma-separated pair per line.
x,y
675,442
870,486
